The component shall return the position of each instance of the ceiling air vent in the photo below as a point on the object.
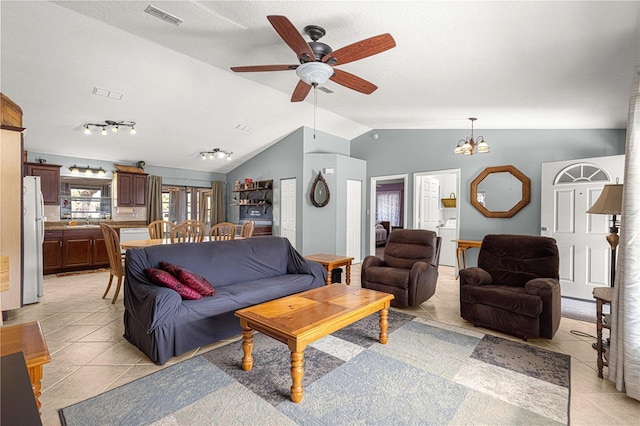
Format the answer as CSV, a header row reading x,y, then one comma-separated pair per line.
x,y
165,16
325,89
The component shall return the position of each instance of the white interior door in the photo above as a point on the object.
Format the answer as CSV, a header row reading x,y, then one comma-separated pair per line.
x,y
569,189
288,210
427,214
354,219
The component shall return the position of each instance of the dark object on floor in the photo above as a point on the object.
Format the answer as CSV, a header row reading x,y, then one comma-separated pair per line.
x,y
243,272
409,270
515,288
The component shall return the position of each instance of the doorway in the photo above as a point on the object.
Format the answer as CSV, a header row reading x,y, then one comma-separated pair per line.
x,y
395,214
569,189
429,212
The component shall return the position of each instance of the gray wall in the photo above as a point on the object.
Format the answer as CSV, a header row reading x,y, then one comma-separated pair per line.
x,y
282,160
409,151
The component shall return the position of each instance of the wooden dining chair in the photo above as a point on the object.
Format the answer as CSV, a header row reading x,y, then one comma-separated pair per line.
x,y
160,229
223,231
188,233
116,268
247,229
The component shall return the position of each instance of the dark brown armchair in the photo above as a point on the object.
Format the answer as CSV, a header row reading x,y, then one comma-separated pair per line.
x,y
515,288
409,270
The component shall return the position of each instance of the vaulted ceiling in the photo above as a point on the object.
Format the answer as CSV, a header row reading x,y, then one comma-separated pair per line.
x,y
514,65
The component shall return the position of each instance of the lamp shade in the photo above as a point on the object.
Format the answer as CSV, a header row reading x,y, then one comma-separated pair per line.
x,y
610,200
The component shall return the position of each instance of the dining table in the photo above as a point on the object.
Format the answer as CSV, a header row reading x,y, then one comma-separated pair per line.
x,y
125,245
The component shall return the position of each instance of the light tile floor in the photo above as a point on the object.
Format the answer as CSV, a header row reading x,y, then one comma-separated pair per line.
x,y
89,354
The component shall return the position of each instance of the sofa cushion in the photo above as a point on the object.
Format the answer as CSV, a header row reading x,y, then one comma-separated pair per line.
x,y
165,279
190,279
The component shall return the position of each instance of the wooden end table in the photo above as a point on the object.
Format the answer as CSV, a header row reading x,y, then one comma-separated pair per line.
x,y
303,318
603,295
28,339
330,261
461,251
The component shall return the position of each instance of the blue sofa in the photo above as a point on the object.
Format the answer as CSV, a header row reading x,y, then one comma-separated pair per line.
x,y
243,272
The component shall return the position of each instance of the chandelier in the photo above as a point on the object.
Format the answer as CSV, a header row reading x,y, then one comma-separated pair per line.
x,y
110,124
216,153
470,146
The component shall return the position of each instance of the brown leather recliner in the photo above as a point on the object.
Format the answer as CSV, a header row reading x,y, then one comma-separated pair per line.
x,y
515,288
409,270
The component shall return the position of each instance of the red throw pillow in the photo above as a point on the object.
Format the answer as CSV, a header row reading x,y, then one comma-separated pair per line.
x,y
165,279
191,279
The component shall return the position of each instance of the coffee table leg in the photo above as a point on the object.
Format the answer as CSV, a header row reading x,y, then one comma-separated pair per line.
x,y
247,347
348,273
384,323
329,269
297,370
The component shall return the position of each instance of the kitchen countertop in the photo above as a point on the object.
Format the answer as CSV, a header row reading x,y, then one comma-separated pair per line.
x,y
95,224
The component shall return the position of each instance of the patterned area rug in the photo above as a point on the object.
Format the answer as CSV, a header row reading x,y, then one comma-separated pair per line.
x,y
428,373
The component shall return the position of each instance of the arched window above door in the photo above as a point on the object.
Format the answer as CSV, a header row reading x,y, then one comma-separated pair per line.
x,y
582,172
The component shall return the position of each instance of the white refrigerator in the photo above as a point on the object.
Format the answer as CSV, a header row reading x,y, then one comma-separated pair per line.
x,y
33,234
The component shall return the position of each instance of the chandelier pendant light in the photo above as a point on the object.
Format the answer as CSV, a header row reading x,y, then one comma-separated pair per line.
x,y
471,145
110,124
216,153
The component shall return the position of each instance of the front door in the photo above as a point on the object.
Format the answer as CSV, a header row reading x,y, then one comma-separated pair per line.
x,y
569,189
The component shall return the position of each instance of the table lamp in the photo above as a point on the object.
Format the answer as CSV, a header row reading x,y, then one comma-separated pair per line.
x,y
610,202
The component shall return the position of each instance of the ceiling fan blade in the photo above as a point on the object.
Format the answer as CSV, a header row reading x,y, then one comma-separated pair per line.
x,y
292,37
300,92
353,82
362,49
258,68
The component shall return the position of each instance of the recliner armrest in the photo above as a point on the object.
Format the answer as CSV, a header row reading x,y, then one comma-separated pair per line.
x,y
475,276
371,261
542,286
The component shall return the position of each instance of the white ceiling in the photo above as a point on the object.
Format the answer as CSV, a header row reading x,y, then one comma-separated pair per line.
x,y
514,65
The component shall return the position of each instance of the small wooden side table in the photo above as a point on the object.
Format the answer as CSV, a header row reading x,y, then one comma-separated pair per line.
x,y
603,295
330,261
461,250
28,339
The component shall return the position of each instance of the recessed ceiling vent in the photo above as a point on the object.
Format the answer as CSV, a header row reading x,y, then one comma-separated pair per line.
x,y
165,16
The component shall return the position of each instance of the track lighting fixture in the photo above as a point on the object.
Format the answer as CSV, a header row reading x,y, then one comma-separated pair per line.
x,y
110,124
216,153
87,170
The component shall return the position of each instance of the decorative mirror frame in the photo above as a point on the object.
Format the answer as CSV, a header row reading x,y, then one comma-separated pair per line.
x,y
319,180
526,191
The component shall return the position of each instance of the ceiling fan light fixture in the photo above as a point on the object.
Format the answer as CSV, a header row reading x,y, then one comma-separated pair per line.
x,y
314,73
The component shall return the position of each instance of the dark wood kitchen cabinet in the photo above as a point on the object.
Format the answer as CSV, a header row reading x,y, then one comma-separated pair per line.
x,y
49,180
52,252
130,189
84,248
73,249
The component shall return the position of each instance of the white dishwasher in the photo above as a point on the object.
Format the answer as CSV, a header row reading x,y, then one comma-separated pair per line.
x,y
130,234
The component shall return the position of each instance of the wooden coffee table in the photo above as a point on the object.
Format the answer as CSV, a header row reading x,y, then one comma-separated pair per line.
x,y
303,318
331,261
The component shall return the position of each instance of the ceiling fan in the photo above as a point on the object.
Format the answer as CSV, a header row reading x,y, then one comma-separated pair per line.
x,y
317,60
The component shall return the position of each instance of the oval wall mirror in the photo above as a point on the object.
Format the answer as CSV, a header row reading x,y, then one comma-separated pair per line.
x,y
500,192
320,191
